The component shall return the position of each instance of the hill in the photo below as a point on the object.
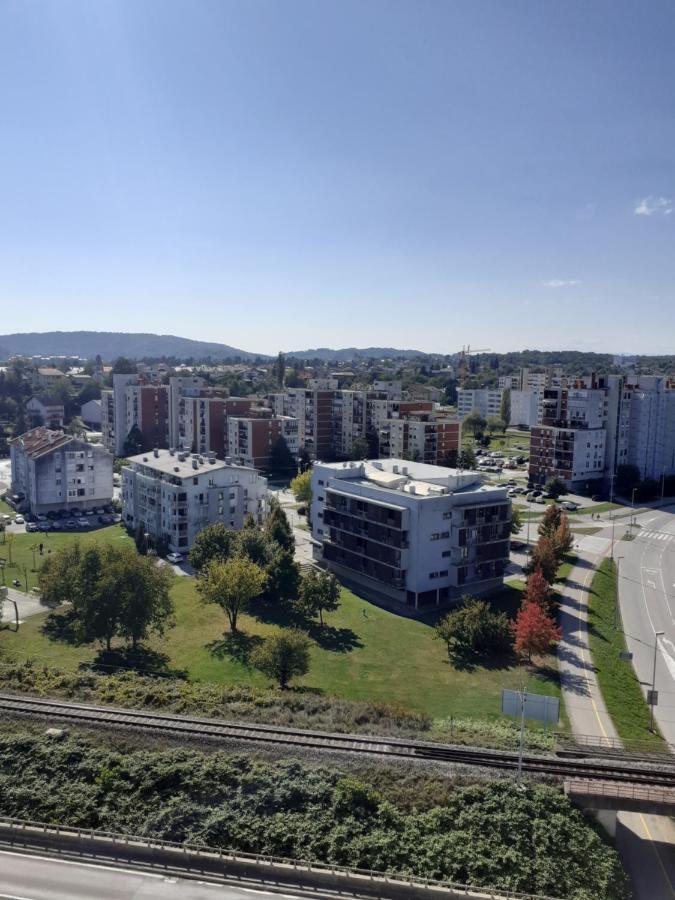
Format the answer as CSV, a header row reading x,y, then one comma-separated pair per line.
x,y
347,353
111,344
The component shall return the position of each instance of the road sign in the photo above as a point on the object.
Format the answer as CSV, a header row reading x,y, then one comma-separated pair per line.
x,y
532,706
653,698
625,654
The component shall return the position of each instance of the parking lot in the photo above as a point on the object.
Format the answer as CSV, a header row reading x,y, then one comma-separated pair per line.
x,y
65,520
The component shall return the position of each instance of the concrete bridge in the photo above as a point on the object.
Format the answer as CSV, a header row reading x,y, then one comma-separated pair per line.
x,y
606,798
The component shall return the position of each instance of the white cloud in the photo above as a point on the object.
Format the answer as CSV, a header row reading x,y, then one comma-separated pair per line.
x,y
650,206
558,283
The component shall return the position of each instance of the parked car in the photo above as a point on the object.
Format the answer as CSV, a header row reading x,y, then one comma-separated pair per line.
x,y
596,498
83,523
174,558
56,526
540,499
32,527
71,523
19,520
569,505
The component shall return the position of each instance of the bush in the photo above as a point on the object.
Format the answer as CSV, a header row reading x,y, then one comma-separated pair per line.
x,y
474,629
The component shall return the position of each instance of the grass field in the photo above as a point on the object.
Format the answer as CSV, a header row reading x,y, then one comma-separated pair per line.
x,y
620,688
19,548
364,653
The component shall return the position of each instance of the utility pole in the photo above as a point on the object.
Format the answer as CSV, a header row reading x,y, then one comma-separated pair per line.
x,y
617,575
611,510
657,635
632,507
663,484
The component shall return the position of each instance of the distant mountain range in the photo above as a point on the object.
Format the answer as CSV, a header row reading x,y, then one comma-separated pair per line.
x,y
111,344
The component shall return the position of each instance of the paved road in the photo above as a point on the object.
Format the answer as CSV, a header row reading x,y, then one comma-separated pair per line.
x,y
24,877
647,597
303,543
646,843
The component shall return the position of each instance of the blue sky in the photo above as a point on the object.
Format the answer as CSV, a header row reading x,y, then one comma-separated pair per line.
x,y
286,174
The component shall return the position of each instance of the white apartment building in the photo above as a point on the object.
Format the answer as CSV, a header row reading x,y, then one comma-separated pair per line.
x,y
174,495
651,433
53,471
525,408
417,534
487,401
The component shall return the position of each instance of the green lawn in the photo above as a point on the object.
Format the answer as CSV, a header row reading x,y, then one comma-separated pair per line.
x,y
365,653
18,548
620,688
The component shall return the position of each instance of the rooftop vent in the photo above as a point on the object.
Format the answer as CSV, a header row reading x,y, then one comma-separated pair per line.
x,y
176,468
172,451
155,453
195,464
394,469
404,470
145,459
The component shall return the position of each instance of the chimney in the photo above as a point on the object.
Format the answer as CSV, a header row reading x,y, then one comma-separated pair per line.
x,y
195,464
155,452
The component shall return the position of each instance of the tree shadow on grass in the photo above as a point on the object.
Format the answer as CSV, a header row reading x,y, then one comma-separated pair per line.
x,y
143,660
237,645
336,640
62,626
282,614
469,662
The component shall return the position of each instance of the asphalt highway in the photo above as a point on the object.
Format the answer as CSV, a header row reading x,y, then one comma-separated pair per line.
x,y
647,600
27,877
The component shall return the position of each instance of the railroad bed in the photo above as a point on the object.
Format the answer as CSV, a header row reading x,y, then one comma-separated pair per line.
x,y
636,772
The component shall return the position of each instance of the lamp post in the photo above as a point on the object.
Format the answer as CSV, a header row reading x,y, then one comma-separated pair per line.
x,y
616,604
657,635
663,484
632,507
611,511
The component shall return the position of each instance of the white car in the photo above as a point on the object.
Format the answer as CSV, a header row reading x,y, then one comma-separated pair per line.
x,y
174,558
569,505
19,520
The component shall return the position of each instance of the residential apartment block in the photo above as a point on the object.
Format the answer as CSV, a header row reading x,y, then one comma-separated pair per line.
x,y
251,439
486,401
417,534
53,471
134,402
420,437
174,495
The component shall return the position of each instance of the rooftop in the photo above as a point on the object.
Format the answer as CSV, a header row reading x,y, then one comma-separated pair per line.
x,y
41,440
420,479
180,464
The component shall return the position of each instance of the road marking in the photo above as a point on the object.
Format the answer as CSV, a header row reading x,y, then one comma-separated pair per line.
x,y
142,873
585,656
658,855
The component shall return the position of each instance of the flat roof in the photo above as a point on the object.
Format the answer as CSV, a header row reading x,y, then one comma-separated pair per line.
x,y
171,464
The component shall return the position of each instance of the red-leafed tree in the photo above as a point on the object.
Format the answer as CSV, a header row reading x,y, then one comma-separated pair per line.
x,y
537,590
563,541
545,558
534,631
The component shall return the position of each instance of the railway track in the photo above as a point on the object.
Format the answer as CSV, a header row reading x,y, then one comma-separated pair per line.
x,y
616,770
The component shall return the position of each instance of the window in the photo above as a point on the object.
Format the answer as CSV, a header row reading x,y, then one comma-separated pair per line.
x,y
320,481
195,480
446,553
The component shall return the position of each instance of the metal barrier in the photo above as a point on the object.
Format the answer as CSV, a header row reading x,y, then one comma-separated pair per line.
x,y
27,833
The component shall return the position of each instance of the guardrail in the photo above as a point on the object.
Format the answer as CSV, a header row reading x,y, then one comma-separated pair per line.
x,y
232,865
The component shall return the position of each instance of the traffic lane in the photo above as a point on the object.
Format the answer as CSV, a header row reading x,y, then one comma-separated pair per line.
x,y
646,608
25,877
647,848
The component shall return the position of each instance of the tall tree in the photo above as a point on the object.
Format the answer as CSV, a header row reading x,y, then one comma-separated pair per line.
x,y
232,585
283,578
563,540
550,521
124,366
281,459
319,593
277,527
280,369
537,590
283,656
534,631
475,423
143,592
133,444
304,459
215,542
360,448
302,487
544,557
516,520
505,406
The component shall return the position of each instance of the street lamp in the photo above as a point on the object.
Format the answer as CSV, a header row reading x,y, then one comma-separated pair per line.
x,y
632,507
657,635
616,605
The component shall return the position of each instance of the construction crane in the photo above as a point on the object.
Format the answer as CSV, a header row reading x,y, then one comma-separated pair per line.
x,y
463,364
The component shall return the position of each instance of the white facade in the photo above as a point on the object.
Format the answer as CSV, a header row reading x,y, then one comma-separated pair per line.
x,y
651,442
90,412
181,415
487,401
175,495
52,471
525,408
45,411
418,534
